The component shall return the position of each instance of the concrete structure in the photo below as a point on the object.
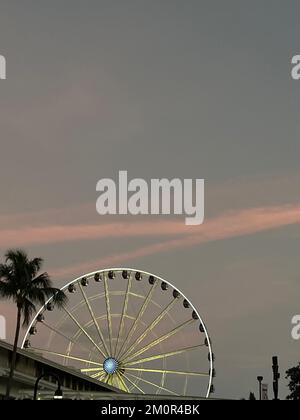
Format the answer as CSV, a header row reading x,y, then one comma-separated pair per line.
x,y
29,366
75,385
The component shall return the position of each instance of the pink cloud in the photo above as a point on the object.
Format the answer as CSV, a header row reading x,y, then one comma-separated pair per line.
x,y
63,233
230,225
226,225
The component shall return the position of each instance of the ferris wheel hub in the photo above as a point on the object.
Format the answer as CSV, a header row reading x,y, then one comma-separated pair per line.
x,y
110,365
134,347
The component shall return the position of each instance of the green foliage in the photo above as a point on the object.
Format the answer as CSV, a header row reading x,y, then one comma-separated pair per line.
x,y
252,396
21,283
293,375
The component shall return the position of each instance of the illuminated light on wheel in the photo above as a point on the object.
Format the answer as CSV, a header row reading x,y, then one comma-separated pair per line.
x,y
127,334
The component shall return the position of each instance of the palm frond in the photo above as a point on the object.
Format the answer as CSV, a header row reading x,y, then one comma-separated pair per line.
x,y
19,281
34,266
36,295
60,298
6,291
28,309
16,256
5,271
42,281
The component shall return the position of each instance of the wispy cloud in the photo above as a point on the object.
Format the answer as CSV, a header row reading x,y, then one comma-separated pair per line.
x,y
57,233
230,225
236,223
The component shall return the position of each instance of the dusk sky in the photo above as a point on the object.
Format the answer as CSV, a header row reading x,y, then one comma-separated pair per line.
x,y
162,89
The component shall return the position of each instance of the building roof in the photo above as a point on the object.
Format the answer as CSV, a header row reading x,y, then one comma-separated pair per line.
x,y
27,354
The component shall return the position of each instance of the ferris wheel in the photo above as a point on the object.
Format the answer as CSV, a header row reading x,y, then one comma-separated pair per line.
x,y
129,329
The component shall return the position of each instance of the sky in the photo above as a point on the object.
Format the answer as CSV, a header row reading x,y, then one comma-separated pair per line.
x,y
193,89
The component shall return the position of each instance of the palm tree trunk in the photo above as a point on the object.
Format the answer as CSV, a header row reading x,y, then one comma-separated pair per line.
x,y
14,354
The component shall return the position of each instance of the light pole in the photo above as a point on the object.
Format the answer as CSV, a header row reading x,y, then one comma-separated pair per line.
x,y
58,393
260,379
276,376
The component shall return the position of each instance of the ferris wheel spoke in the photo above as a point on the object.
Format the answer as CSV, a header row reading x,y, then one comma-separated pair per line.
x,y
173,372
106,379
139,316
109,380
56,331
152,384
151,327
163,377
163,355
98,375
94,319
159,340
108,313
114,381
71,340
134,384
86,370
85,332
102,377
99,378
53,353
123,384
137,344
124,311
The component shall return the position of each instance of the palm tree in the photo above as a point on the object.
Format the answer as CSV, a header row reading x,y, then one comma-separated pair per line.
x,y
20,282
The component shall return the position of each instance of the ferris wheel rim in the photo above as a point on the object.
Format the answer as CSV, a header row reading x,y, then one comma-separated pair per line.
x,y
130,269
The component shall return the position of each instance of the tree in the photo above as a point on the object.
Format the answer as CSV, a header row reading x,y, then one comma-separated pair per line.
x,y
293,375
21,282
252,396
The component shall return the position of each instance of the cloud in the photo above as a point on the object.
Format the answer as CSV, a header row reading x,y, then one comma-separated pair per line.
x,y
230,225
57,233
